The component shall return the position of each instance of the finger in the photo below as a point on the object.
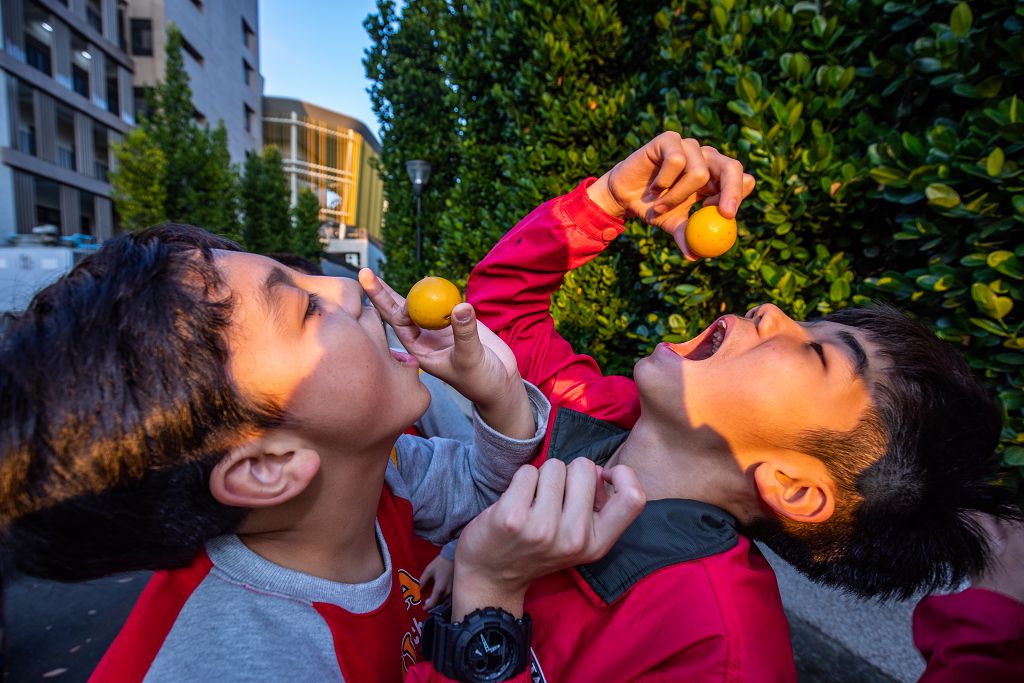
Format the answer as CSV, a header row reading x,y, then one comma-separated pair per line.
x,y
728,174
581,485
390,305
547,506
600,490
468,350
625,502
679,235
667,156
514,504
695,176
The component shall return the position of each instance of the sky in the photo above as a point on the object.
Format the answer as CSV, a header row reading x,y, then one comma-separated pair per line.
x,y
312,50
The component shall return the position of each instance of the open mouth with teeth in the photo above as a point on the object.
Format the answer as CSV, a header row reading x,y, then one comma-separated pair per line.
x,y
704,345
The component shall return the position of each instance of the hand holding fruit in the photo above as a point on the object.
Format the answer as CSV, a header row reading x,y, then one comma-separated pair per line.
x,y
661,181
466,355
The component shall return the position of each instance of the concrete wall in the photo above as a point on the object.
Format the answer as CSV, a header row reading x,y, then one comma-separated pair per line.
x,y
219,92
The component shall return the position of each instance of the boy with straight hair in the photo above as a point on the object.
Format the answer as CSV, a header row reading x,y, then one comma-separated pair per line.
x,y
176,404
855,446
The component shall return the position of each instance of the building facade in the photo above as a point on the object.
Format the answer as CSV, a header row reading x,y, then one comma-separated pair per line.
x,y
222,58
65,99
333,155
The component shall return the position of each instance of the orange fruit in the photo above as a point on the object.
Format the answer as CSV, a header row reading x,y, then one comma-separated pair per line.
x,y
431,301
709,233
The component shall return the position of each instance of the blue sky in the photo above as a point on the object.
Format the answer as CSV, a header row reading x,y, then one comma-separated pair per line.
x,y
313,49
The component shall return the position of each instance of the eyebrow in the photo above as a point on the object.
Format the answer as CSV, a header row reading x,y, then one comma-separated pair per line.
x,y
275,278
860,357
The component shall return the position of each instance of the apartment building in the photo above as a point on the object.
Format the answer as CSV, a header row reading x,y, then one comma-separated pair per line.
x,y
65,98
332,154
222,57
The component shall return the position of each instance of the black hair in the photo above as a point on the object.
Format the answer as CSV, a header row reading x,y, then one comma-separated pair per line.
x,y
909,476
116,403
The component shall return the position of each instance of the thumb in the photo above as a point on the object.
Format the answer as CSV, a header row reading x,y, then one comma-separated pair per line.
x,y
625,503
468,348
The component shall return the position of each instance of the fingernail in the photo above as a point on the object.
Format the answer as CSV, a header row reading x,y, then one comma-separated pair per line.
x,y
731,205
462,316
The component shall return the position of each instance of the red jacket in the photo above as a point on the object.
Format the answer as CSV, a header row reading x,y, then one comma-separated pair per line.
x,y
714,618
682,596
976,635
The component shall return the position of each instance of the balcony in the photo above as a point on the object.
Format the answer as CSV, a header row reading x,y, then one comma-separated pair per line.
x,y
66,157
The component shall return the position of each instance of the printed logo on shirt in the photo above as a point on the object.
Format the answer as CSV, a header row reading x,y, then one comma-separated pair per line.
x,y
412,595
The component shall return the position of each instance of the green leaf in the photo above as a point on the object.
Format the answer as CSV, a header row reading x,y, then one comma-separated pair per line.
x,y
676,322
1006,263
989,326
839,290
988,303
960,19
994,163
886,175
942,195
1014,455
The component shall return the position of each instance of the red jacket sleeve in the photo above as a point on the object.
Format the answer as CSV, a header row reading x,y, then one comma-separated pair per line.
x,y
976,635
511,291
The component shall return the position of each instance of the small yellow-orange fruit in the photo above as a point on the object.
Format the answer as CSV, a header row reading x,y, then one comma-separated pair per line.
x,y
431,301
709,233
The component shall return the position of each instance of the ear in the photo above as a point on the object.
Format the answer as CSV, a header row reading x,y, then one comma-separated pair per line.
x,y
799,493
262,473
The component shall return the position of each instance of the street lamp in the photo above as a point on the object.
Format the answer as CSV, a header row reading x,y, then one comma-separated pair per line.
x,y
419,174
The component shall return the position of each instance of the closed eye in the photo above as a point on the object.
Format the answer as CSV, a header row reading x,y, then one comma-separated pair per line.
x,y
820,351
313,306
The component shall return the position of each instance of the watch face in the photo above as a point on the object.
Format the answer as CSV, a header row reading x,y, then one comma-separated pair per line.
x,y
490,654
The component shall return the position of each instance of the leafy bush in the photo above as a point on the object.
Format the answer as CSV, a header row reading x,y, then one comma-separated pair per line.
x,y
886,138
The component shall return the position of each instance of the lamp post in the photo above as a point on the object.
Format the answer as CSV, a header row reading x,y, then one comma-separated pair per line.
x,y
419,174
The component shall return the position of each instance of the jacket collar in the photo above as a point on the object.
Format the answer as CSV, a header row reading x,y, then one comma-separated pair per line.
x,y
667,532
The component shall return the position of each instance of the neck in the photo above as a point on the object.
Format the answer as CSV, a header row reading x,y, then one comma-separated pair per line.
x,y
701,469
329,530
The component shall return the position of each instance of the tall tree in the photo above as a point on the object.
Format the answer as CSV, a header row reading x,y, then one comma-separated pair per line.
x,y
194,181
138,181
306,226
266,223
410,95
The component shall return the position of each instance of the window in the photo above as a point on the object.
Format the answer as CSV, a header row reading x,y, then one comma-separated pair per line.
x,y
101,152
139,104
192,52
80,80
248,36
86,212
37,55
66,138
94,15
47,202
142,37
26,119
249,113
113,91
246,73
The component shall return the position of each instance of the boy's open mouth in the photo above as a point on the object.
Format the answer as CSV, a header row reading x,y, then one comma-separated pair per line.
x,y
704,345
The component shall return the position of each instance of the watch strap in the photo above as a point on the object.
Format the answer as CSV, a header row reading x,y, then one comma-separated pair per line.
x,y
446,644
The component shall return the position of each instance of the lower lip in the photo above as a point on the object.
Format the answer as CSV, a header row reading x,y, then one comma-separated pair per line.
x,y
664,346
404,359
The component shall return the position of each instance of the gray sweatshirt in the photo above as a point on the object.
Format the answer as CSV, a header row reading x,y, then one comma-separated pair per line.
x,y
249,619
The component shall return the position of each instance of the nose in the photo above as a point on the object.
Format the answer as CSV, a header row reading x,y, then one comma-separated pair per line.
x,y
769,319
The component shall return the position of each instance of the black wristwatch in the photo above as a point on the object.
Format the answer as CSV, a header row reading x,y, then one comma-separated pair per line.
x,y
488,645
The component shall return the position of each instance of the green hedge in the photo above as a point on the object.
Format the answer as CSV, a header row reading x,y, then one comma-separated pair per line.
x,y
886,138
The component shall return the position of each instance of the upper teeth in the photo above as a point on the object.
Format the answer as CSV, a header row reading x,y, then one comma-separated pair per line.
x,y
717,336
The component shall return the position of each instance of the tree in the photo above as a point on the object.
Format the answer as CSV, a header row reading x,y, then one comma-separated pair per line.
x,y
191,178
266,222
306,226
411,98
138,181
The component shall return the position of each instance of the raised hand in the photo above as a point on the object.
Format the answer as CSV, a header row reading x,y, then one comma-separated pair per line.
x,y
660,182
466,355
